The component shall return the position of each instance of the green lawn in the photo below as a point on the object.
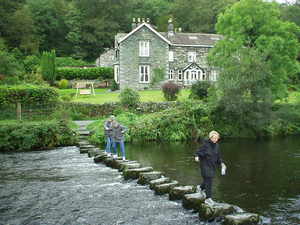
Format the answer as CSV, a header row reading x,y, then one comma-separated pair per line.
x,y
103,96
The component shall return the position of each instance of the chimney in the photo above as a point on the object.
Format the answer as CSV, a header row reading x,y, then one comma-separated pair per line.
x,y
138,21
133,25
170,28
143,20
148,20
179,29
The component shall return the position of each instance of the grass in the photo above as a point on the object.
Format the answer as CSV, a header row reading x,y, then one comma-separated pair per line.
x,y
104,96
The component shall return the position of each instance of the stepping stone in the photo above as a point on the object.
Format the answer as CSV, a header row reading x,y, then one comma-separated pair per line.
x,y
93,152
129,165
159,181
177,193
145,178
83,150
241,219
134,173
109,161
84,133
164,188
193,201
100,158
83,143
212,211
116,164
87,146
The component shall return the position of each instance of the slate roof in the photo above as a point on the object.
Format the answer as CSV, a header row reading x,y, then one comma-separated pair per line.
x,y
179,38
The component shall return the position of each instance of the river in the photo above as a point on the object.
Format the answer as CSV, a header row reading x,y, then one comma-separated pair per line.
x,y
61,186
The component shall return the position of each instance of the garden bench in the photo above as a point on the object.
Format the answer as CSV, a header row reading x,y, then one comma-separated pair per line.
x,y
85,88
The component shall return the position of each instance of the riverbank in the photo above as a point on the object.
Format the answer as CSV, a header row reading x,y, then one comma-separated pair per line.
x,y
18,135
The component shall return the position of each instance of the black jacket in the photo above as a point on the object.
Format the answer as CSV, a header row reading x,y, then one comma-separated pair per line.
x,y
209,157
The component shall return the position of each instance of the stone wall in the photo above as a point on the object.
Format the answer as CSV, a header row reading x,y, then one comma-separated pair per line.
x,y
106,59
130,59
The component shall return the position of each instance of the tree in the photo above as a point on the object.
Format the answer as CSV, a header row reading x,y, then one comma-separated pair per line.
x,y
256,25
255,59
48,66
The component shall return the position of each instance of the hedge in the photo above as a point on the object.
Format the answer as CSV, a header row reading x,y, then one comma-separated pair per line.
x,y
27,94
24,136
101,73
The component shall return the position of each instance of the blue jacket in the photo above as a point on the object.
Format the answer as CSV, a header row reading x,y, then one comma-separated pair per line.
x,y
210,158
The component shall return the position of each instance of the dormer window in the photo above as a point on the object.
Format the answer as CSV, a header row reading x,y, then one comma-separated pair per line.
x,y
192,57
144,48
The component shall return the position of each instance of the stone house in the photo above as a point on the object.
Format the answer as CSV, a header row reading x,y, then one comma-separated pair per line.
x,y
180,56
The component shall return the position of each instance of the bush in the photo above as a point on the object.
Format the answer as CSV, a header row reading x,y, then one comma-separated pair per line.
x,y
22,136
26,94
199,90
129,98
114,86
69,61
170,90
31,63
101,73
63,84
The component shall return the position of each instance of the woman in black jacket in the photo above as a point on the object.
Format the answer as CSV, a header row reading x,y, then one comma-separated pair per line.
x,y
209,156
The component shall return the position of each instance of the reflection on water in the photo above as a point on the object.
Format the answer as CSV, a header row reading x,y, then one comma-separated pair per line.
x,y
262,176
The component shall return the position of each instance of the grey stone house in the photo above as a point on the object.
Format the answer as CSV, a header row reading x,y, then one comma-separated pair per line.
x,y
180,56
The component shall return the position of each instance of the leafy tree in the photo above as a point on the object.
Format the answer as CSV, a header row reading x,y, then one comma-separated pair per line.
x,y
129,97
256,25
255,58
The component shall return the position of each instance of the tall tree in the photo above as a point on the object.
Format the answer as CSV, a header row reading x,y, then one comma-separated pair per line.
x,y
255,59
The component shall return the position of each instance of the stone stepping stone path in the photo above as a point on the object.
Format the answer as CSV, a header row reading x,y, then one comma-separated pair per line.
x,y
192,199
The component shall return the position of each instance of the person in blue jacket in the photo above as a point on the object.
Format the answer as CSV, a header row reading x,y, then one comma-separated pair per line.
x,y
209,156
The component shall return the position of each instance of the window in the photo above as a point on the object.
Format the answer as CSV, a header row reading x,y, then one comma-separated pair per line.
x,y
171,74
213,75
117,73
191,56
171,56
144,73
179,74
144,48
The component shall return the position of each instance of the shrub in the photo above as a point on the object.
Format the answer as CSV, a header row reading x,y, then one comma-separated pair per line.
x,y
129,97
26,94
63,84
199,90
114,86
22,136
69,61
101,73
170,90
31,63
48,66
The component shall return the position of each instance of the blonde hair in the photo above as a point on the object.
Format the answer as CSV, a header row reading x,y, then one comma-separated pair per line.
x,y
213,133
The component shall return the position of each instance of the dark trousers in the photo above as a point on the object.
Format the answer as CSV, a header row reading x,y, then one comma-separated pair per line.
x,y
207,186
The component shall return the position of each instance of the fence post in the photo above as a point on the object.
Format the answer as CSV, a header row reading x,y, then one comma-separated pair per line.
x,y
19,111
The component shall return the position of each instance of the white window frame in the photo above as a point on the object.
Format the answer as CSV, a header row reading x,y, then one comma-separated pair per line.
x,y
144,74
213,75
192,56
117,73
171,56
144,48
180,75
171,74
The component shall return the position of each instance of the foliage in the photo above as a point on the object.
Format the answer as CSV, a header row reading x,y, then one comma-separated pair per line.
x,y
31,63
69,61
159,75
27,94
199,90
129,98
171,91
48,68
9,65
255,25
102,73
23,136
63,84
114,86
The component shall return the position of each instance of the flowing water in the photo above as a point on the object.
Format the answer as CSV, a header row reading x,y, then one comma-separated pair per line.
x,y
62,186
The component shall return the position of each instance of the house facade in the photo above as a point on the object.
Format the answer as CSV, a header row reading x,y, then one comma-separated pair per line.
x,y
181,57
